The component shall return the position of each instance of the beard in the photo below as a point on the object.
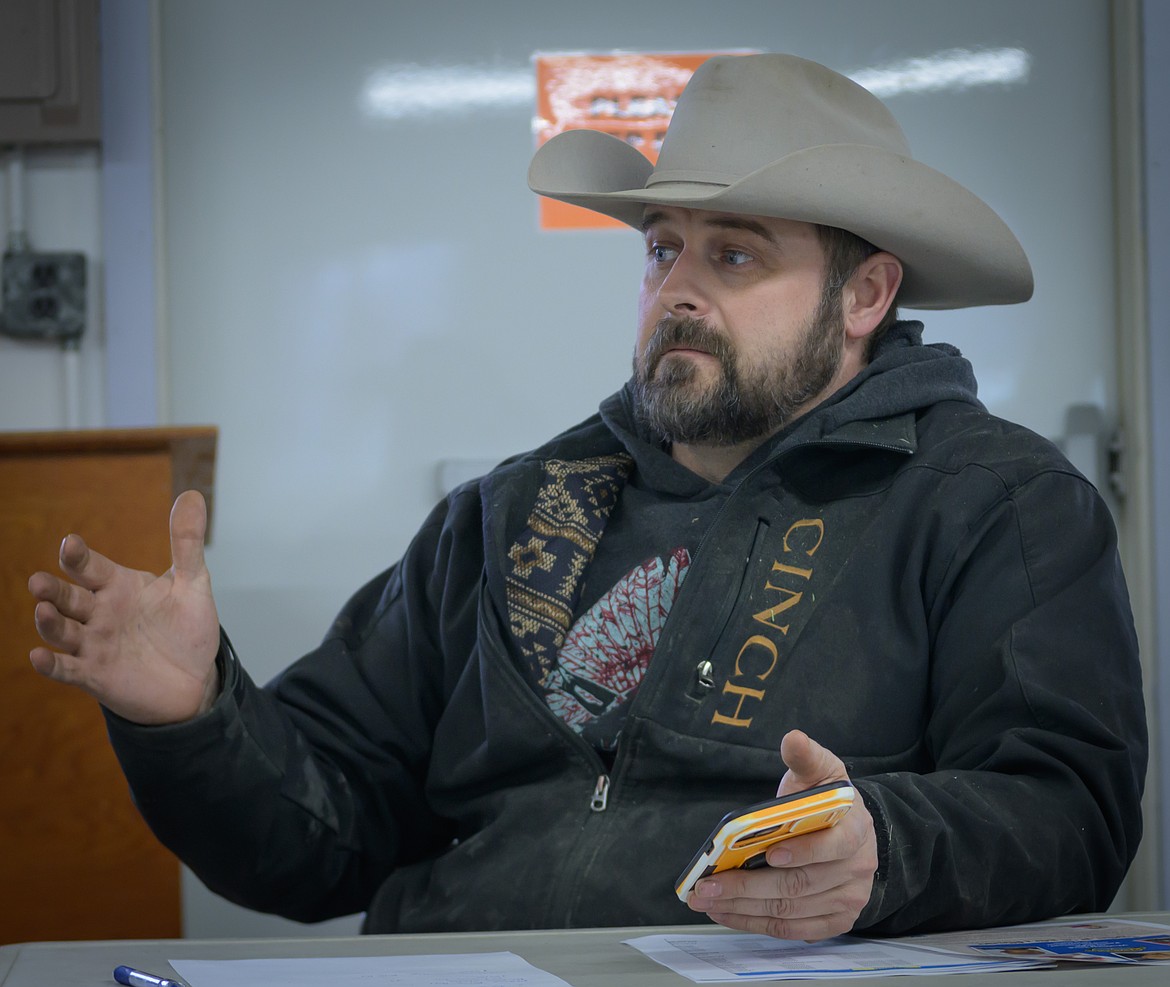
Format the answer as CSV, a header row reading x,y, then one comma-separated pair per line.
x,y
745,402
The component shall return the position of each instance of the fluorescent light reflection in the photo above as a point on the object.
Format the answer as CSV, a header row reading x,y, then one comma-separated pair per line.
x,y
955,69
406,91
416,91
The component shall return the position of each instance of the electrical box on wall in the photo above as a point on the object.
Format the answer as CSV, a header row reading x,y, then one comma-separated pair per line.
x,y
49,72
43,295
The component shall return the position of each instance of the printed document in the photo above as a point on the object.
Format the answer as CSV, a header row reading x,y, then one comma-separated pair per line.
x,y
708,957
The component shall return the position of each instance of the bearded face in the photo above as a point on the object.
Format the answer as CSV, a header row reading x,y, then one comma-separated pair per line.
x,y
747,400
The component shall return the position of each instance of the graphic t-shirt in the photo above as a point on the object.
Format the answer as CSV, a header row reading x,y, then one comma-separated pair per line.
x,y
601,664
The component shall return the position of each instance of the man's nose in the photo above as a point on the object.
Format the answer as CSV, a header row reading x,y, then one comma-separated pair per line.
x,y
683,290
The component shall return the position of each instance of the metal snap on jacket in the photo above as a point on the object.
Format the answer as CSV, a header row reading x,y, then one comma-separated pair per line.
x,y
703,681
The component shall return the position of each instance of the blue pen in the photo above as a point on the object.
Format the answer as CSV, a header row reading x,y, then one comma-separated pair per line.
x,y
136,978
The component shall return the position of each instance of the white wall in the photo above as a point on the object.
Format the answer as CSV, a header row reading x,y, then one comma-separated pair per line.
x,y
353,300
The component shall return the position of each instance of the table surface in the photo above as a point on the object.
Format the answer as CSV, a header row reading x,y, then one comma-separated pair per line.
x,y
581,957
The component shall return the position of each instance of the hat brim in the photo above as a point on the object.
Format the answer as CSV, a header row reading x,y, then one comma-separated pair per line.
x,y
955,250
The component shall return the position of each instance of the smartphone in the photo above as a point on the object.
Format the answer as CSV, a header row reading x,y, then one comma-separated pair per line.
x,y
742,837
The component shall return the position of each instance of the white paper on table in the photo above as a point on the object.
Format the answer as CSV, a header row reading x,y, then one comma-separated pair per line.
x,y
719,958
1083,939
501,969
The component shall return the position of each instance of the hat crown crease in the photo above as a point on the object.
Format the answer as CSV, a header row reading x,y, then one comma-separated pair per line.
x,y
819,107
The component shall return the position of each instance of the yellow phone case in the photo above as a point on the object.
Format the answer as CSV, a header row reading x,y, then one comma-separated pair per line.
x,y
742,837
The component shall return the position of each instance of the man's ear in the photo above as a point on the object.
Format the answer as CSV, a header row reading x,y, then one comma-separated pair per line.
x,y
869,293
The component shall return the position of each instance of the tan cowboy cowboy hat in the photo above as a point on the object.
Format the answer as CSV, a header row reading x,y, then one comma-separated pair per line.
x,y
777,135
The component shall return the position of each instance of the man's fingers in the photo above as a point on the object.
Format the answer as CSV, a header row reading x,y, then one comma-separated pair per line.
x,y
69,600
762,883
814,929
808,903
56,630
49,663
44,661
782,908
188,528
83,565
805,903
61,667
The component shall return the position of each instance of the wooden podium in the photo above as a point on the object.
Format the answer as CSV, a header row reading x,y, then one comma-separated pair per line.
x,y
76,860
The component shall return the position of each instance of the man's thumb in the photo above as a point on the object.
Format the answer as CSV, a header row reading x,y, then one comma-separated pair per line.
x,y
188,526
808,763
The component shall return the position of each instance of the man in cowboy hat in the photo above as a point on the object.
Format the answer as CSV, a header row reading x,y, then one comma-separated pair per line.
x,y
796,521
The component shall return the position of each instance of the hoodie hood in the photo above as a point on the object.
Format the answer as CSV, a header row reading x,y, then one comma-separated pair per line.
x,y
904,376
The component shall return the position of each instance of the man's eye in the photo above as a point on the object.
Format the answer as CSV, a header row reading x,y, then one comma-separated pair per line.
x,y
662,254
736,258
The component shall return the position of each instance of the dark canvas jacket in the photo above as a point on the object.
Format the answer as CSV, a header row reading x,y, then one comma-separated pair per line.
x,y
928,591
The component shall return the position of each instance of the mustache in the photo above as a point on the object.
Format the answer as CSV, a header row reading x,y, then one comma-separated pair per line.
x,y
684,333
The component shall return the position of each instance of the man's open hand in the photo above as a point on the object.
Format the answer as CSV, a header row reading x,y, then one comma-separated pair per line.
x,y
143,645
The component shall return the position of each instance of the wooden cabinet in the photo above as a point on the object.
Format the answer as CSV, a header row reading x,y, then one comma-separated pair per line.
x,y
76,860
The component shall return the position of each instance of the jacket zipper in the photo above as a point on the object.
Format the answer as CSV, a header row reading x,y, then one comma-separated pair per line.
x,y
599,798
600,794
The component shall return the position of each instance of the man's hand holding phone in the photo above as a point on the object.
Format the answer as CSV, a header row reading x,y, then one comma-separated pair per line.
x,y
815,884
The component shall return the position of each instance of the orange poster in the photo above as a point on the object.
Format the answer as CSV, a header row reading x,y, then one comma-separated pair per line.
x,y
629,96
